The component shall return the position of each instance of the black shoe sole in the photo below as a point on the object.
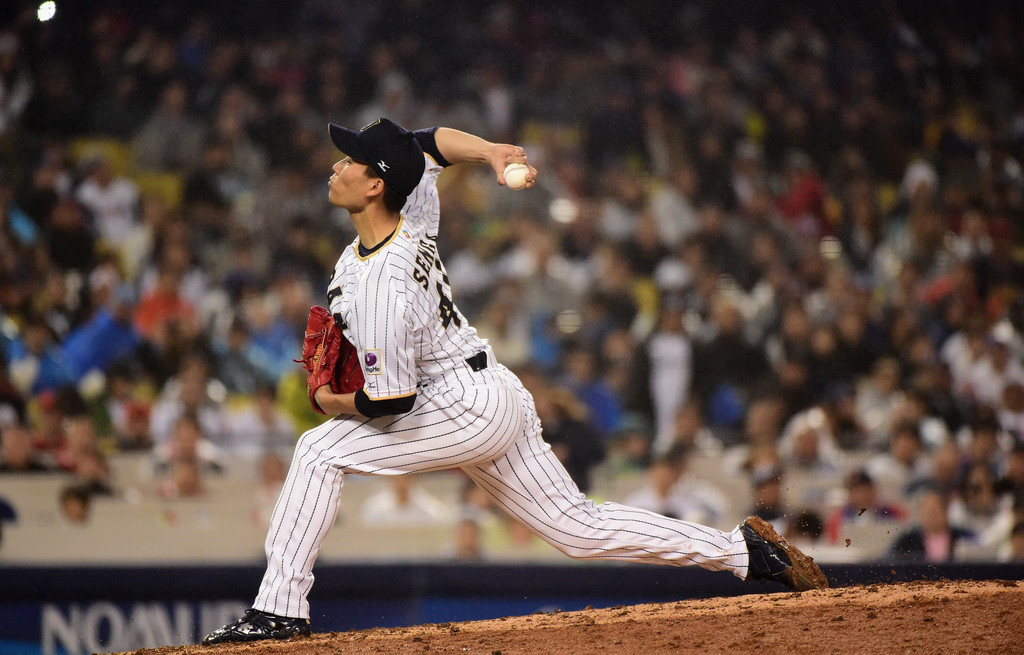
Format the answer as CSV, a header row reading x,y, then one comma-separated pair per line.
x,y
804,574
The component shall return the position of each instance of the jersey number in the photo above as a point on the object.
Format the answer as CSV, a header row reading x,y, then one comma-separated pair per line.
x,y
446,307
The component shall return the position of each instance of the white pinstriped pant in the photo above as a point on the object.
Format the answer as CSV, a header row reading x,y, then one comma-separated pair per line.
x,y
485,423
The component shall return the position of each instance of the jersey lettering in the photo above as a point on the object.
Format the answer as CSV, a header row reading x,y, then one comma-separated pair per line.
x,y
332,293
446,309
419,277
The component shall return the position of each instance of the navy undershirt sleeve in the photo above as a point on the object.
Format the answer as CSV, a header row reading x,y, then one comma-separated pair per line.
x,y
427,141
389,407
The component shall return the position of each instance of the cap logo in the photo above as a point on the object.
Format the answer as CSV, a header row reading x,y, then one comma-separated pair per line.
x,y
382,165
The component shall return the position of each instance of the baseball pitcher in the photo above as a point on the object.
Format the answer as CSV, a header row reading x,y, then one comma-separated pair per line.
x,y
429,395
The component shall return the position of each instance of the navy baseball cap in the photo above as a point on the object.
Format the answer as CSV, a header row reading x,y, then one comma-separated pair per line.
x,y
386,147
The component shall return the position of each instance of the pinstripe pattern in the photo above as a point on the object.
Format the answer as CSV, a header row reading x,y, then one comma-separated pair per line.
x,y
393,307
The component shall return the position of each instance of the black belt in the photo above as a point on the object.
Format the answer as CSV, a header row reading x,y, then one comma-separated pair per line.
x,y
478,362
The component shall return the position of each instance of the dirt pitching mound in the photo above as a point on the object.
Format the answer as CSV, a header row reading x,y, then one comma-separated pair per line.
x,y
915,617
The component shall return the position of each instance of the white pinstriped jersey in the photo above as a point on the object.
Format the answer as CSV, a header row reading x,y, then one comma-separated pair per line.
x,y
395,305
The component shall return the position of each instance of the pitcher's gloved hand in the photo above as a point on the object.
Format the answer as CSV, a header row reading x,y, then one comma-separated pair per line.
x,y
328,357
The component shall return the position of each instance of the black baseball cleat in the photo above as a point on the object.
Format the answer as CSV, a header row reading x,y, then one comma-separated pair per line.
x,y
774,558
257,625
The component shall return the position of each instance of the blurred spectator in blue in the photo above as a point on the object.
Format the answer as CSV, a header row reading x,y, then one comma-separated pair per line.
x,y
35,358
18,230
237,365
574,440
275,325
109,335
727,368
582,378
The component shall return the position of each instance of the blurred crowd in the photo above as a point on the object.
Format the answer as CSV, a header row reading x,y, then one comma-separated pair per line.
x,y
786,238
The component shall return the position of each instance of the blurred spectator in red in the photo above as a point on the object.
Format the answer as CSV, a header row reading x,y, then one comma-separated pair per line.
x,y
862,505
163,309
48,414
803,202
82,442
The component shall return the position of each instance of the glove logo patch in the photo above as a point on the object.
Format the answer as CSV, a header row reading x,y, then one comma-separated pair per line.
x,y
372,361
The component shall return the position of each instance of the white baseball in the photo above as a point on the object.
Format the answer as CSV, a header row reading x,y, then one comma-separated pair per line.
x,y
515,176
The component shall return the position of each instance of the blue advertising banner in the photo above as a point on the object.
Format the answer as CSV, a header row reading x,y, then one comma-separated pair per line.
x,y
77,611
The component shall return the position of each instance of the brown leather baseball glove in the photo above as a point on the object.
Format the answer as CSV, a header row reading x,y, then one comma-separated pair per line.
x,y
328,357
